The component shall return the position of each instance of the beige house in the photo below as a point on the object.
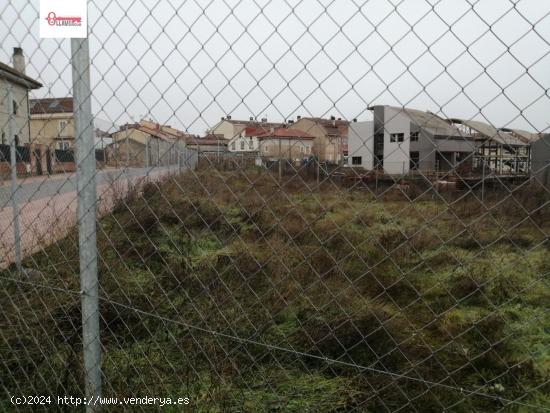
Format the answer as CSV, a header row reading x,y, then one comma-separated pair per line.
x,y
331,137
52,122
284,143
139,145
230,128
14,78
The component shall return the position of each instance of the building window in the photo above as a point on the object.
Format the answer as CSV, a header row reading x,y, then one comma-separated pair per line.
x,y
233,146
3,138
414,159
266,148
15,107
62,125
356,160
397,137
242,145
301,149
63,145
250,144
414,136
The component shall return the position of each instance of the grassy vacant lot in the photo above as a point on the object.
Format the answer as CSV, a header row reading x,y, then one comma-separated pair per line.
x,y
446,295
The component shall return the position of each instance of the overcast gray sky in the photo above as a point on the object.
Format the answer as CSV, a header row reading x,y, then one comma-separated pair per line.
x,y
187,63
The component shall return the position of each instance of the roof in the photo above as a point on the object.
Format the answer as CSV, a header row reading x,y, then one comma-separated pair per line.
x,y
285,133
51,105
15,76
489,132
429,121
254,123
528,137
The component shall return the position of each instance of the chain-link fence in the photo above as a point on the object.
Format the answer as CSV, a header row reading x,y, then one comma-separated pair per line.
x,y
276,206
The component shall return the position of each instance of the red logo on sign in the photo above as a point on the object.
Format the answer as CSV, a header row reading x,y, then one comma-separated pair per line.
x,y
53,20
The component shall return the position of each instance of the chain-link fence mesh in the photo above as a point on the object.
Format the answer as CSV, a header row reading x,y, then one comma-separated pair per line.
x,y
277,206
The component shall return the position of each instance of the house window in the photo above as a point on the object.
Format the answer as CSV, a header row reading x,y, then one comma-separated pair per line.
x,y
397,137
63,145
356,160
242,145
266,148
15,107
62,125
250,144
3,138
233,146
301,149
414,136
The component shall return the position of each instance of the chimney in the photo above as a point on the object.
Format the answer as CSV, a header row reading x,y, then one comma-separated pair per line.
x,y
264,120
251,118
354,120
332,118
228,117
298,117
223,118
18,60
291,121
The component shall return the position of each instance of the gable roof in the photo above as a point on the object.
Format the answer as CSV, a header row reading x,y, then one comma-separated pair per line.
x,y
51,105
15,76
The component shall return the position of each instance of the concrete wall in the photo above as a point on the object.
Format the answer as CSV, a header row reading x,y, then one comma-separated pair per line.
x,y
46,129
396,154
361,144
20,96
292,149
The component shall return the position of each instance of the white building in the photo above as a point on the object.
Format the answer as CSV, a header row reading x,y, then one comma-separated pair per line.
x,y
246,141
361,144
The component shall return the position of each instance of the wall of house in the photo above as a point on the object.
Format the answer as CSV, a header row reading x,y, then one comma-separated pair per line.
x,y
20,96
46,129
396,154
325,149
242,144
227,129
292,149
361,144
132,134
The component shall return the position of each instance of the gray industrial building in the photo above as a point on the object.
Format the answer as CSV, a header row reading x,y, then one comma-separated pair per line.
x,y
403,139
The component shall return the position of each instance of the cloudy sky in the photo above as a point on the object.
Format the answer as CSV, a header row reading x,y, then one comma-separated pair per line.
x,y
187,63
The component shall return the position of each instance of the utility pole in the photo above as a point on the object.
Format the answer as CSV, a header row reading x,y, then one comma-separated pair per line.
x,y
13,162
86,209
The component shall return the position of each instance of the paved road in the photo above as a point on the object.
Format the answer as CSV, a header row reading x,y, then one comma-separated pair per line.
x,y
47,206
40,187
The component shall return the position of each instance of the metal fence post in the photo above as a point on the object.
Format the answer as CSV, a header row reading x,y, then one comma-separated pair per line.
x,y
13,167
86,185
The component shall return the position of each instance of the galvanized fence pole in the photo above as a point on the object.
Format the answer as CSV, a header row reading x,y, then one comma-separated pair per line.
x,y
13,167
86,185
